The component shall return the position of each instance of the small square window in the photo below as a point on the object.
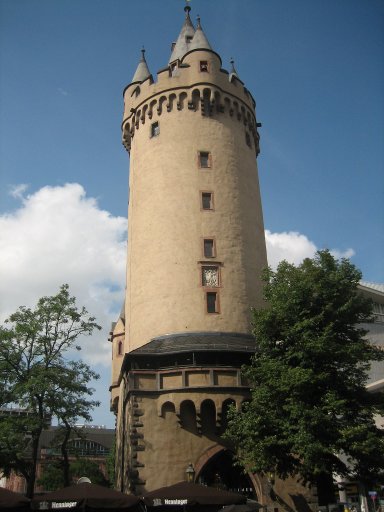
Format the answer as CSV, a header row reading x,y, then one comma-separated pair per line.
x,y
207,200
204,66
204,159
155,129
212,302
209,248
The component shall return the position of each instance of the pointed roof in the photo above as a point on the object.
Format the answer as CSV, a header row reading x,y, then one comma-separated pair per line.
x,y
185,37
199,41
142,71
232,71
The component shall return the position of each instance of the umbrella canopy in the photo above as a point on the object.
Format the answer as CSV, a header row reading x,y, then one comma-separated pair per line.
x,y
250,506
12,500
87,496
185,493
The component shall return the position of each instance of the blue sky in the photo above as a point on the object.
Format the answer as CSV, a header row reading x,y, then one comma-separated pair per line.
x,y
315,69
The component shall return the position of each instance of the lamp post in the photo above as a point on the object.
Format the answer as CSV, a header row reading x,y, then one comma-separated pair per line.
x,y
190,472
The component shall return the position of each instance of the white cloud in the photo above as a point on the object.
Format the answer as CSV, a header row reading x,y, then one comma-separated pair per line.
x,y
294,247
58,235
17,191
290,246
348,253
62,91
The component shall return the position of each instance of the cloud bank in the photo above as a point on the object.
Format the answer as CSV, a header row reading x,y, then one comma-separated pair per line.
x,y
59,235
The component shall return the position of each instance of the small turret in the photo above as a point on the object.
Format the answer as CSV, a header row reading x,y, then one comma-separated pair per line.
x,y
182,45
199,41
142,71
233,73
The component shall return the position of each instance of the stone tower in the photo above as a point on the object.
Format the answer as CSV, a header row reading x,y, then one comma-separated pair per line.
x,y
196,250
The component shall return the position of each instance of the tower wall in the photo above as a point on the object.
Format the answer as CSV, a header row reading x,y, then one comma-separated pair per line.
x,y
196,112
193,142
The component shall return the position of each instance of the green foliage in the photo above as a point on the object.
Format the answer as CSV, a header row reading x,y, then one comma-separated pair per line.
x,y
310,413
52,474
51,477
111,463
88,468
39,379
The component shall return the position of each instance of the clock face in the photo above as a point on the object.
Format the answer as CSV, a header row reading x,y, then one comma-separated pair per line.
x,y
210,276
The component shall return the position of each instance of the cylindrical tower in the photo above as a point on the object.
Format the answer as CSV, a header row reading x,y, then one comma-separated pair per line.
x,y
196,232
196,250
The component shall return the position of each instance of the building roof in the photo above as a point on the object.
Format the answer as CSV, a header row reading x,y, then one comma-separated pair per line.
x,y
189,38
100,435
142,71
197,341
199,41
373,286
182,44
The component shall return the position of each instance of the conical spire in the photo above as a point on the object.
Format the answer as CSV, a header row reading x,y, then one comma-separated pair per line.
x,y
142,72
199,41
185,37
232,71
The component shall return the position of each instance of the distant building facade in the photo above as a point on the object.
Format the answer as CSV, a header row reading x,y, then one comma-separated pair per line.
x,y
90,442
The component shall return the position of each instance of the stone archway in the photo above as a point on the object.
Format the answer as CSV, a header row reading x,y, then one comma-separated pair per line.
x,y
216,468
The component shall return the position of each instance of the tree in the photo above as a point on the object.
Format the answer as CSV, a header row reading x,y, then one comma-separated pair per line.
x,y
36,375
71,406
111,463
310,414
52,474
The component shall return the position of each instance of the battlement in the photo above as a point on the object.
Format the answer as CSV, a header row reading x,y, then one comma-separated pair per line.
x,y
198,84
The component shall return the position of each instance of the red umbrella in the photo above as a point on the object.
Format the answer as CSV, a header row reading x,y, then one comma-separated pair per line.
x,y
185,493
12,500
86,496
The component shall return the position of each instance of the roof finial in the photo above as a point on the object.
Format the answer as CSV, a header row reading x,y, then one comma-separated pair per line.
x,y
232,62
187,9
198,22
142,53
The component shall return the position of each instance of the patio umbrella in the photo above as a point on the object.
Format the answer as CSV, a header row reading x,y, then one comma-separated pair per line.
x,y
12,500
185,493
250,506
86,496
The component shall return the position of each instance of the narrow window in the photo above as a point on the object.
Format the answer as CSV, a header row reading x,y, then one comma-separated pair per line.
x,y
204,159
120,348
210,276
209,248
155,129
188,39
207,200
204,66
212,302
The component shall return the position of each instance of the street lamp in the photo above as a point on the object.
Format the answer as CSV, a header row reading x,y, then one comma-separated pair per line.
x,y
190,472
271,477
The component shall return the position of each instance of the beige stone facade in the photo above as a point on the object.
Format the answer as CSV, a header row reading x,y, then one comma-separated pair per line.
x,y
196,250
194,112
